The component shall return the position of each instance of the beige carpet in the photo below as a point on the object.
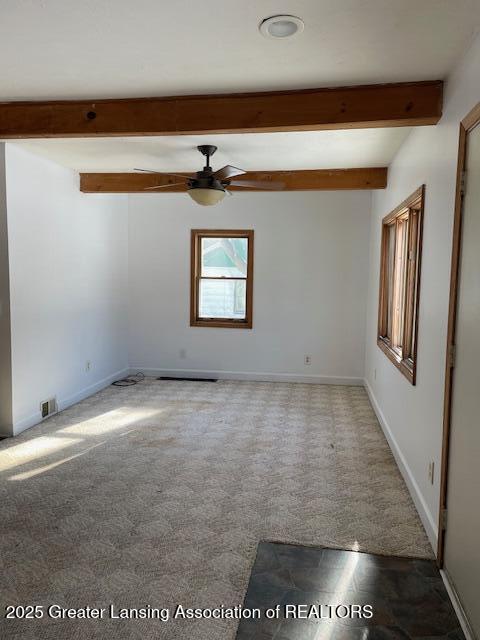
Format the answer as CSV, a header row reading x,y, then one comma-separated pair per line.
x,y
158,494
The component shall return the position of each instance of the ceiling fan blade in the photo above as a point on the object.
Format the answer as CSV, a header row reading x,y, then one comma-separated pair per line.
x,y
164,186
227,172
257,184
164,173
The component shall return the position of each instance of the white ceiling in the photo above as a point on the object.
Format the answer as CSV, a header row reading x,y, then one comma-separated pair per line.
x,y
113,48
118,48
250,151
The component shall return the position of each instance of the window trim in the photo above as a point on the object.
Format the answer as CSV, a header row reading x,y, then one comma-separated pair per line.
x,y
222,323
406,360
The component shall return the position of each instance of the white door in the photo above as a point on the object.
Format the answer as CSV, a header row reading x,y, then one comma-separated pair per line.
x,y
462,537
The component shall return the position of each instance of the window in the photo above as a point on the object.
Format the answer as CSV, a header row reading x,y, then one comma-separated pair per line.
x,y
399,283
221,279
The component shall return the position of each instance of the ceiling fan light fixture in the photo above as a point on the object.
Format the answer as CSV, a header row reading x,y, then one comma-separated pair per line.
x,y
281,26
206,197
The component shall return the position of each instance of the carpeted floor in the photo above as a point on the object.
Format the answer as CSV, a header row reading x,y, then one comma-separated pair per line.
x,y
158,495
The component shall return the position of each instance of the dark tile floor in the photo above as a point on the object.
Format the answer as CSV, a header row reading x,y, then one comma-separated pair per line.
x,y
407,596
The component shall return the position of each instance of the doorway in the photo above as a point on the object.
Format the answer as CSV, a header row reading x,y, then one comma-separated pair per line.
x,y
459,530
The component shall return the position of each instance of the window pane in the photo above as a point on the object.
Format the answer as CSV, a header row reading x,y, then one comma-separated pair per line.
x,y
390,277
224,257
411,287
401,255
222,299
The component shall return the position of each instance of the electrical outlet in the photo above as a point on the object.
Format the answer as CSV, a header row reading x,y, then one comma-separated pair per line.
x,y
183,353
308,360
88,365
431,471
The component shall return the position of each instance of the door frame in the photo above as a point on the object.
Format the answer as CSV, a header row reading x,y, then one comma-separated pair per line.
x,y
466,126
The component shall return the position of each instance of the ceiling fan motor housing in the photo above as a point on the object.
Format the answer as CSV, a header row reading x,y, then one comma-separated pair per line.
x,y
205,180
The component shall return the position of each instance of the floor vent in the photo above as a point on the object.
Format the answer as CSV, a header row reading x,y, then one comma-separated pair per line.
x,y
188,379
47,407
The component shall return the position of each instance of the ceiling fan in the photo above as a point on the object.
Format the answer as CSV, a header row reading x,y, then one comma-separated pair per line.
x,y
209,187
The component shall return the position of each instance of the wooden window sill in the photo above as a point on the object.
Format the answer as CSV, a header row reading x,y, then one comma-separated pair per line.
x,y
405,367
221,324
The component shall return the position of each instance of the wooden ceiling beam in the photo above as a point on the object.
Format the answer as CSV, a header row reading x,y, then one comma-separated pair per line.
x,y
305,180
387,105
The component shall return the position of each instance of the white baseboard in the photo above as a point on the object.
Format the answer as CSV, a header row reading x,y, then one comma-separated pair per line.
x,y
426,517
457,605
88,391
64,403
250,375
26,423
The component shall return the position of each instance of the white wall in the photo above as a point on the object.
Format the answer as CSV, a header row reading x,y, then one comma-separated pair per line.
x,y
5,338
413,416
68,276
310,283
